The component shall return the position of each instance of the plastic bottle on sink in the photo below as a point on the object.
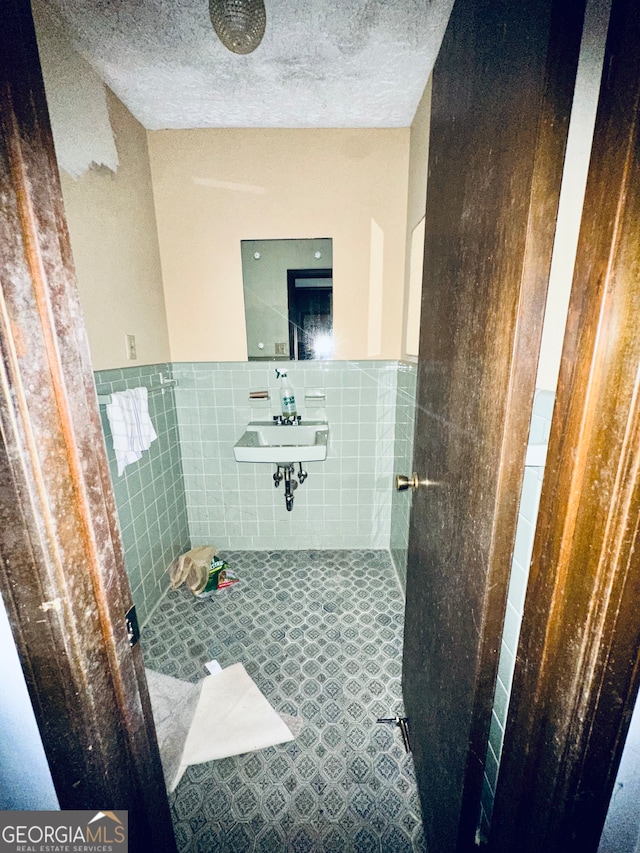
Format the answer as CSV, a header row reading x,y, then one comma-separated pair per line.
x,y
287,397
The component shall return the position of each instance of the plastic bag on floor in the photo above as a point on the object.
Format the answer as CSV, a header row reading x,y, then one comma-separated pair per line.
x,y
202,570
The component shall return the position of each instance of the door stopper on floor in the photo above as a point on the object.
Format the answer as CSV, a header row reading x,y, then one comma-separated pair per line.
x,y
403,724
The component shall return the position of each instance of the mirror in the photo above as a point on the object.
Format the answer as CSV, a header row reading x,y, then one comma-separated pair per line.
x,y
288,298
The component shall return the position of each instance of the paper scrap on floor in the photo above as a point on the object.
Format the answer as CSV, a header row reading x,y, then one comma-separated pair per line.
x,y
214,667
231,717
173,703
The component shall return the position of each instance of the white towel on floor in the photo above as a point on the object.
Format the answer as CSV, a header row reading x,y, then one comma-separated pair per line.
x,y
131,427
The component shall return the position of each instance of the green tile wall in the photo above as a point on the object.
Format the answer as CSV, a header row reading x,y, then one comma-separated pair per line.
x,y
188,490
346,500
403,450
150,496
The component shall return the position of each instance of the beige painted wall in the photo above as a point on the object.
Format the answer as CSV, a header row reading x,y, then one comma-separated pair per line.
x,y
115,249
419,160
214,188
416,205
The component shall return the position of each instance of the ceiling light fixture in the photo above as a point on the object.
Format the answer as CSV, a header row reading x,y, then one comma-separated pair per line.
x,y
239,24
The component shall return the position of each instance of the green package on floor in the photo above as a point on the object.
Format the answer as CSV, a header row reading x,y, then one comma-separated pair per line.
x,y
220,577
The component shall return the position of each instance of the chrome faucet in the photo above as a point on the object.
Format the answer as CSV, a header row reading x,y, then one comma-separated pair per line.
x,y
283,420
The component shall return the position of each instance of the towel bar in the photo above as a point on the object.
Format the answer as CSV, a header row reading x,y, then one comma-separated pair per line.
x,y
105,399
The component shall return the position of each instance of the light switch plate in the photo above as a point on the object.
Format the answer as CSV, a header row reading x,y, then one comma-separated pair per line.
x,y
281,349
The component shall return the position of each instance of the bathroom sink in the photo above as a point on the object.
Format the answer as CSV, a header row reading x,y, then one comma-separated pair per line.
x,y
263,441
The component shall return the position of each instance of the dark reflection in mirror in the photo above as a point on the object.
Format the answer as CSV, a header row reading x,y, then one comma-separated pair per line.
x,y
310,295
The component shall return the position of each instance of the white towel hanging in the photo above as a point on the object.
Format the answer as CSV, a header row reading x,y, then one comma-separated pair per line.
x,y
131,427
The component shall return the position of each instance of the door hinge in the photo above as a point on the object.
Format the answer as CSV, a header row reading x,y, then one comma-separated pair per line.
x,y
131,624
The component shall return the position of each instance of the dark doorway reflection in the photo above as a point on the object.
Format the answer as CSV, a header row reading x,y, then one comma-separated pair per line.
x,y
310,294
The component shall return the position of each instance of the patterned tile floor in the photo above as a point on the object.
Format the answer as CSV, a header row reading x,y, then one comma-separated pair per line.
x,y
320,632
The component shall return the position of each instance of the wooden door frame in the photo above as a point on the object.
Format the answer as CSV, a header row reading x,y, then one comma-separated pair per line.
x,y
578,661
62,574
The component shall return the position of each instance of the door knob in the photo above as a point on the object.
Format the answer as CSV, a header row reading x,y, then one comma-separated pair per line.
x,y
403,482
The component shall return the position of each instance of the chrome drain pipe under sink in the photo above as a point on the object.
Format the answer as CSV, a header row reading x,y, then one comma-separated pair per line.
x,y
288,474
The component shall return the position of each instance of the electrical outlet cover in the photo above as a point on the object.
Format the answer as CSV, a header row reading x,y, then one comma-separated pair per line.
x,y
131,347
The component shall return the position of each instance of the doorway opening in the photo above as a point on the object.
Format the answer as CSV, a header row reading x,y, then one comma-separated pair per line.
x,y
310,304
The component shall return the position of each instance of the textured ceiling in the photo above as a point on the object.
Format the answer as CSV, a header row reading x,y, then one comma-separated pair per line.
x,y
347,63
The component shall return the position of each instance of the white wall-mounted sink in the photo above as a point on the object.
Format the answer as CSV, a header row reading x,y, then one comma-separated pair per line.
x,y
263,441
